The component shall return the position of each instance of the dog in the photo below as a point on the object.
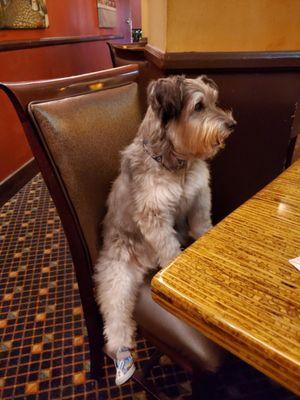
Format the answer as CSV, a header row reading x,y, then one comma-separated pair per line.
x,y
160,200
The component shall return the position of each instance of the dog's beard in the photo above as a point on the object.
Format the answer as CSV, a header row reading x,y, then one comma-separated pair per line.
x,y
202,140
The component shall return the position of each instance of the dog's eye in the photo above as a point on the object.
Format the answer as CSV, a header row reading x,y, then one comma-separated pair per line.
x,y
199,106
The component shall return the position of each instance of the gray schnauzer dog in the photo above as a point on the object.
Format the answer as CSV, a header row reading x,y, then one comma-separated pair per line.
x,y
160,200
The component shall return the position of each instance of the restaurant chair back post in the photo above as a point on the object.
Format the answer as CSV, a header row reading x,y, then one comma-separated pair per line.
x,y
134,53
127,53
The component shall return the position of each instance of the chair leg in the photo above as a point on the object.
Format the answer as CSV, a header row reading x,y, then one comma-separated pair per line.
x,y
96,355
153,360
203,386
146,385
140,377
94,325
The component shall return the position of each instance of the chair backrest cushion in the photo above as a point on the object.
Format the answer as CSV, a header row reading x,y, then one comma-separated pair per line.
x,y
84,135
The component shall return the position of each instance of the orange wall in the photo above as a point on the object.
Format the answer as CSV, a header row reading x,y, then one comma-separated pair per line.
x,y
154,22
67,18
214,25
135,6
233,25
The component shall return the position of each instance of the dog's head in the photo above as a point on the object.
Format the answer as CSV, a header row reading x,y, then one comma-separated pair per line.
x,y
189,115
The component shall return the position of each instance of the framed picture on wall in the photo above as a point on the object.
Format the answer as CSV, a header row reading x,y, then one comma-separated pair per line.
x,y
107,13
23,14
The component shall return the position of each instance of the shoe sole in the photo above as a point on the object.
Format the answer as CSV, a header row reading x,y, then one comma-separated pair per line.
x,y
127,376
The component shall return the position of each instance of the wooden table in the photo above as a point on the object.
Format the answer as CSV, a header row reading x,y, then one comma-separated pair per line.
x,y
236,286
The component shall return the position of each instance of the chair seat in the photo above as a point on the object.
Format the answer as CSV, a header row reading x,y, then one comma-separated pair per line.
x,y
175,334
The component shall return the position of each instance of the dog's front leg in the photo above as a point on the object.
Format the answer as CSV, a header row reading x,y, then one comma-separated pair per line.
x,y
160,234
199,215
154,218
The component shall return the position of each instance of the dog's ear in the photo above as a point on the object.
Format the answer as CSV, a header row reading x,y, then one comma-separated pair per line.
x,y
165,96
209,82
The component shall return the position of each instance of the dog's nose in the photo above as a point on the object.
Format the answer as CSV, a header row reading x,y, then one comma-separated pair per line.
x,y
230,124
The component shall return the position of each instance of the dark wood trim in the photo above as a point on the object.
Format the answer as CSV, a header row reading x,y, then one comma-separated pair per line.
x,y
294,147
14,182
290,152
296,122
254,60
156,56
54,41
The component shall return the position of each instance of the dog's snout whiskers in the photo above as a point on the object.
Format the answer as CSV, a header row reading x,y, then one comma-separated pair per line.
x,y
230,124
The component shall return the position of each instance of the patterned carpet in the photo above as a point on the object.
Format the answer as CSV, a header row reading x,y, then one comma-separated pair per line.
x,y
44,352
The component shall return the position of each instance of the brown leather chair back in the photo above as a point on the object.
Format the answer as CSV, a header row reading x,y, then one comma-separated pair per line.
x,y
82,129
76,127
85,134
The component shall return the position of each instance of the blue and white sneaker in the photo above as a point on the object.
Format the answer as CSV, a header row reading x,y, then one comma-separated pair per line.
x,y
124,365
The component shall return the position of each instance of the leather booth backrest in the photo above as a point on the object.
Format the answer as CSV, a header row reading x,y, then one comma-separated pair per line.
x,y
84,135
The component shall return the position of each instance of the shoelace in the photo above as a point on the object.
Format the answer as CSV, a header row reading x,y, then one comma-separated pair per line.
x,y
121,366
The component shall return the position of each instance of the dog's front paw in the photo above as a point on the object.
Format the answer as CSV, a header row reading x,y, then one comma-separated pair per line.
x,y
164,261
200,230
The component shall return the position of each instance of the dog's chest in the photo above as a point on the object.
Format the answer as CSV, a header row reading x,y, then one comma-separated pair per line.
x,y
188,193
191,183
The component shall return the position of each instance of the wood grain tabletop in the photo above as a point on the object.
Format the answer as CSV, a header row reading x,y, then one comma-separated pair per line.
x,y
236,285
